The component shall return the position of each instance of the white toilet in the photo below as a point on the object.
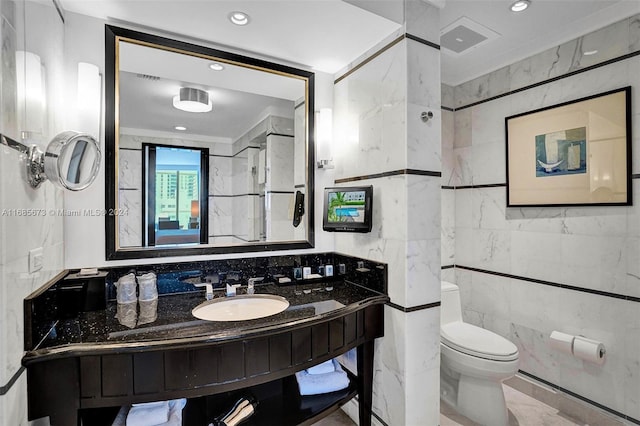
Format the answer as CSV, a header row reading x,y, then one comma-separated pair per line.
x,y
474,362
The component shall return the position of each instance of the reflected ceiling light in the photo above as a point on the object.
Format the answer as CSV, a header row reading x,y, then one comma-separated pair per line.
x,y
192,100
181,128
520,5
239,18
216,66
590,52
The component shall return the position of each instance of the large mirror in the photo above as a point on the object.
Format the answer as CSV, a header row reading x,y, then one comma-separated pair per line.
x,y
206,151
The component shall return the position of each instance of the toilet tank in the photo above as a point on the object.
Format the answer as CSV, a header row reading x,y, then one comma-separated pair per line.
x,y
450,309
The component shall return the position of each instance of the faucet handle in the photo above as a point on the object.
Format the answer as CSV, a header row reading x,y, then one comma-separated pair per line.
x,y
251,282
231,289
209,289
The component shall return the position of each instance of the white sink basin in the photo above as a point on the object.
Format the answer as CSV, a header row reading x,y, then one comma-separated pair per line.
x,y
240,308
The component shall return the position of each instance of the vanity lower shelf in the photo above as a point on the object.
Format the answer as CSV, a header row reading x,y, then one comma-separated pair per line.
x,y
279,402
75,380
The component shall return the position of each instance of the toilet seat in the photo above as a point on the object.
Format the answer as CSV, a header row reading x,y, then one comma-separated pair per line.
x,y
476,341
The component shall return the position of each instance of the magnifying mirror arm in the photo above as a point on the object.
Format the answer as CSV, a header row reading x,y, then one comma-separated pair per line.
x,y
41,166
34,160
35,166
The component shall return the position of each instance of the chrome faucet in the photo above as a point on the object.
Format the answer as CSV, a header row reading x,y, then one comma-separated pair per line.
x,y
251,282
209,289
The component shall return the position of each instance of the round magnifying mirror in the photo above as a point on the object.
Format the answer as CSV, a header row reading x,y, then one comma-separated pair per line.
x,y
72,160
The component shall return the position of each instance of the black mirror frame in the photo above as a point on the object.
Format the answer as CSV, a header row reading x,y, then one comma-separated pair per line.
x,y
112,34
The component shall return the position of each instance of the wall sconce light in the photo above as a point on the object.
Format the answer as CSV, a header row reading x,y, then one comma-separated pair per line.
x,y
324,138
71,160
192,100
32,99
89,98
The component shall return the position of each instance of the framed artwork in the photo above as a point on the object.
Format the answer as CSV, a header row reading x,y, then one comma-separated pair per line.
x,y
575,153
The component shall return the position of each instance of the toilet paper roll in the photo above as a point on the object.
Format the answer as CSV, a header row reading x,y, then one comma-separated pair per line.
x,y
589,350
562,342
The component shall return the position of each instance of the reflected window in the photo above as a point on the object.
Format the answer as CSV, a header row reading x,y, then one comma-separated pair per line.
x,y
175,195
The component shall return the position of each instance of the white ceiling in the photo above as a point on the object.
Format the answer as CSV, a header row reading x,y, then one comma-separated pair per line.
x,y
328,34
545,24
323,34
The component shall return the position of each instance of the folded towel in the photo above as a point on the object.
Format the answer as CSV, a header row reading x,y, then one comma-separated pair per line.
x,y
148,414
325,367
175,414
314,384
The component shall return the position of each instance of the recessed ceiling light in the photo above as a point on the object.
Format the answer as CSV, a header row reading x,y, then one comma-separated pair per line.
x,y
239,18
216,66
181,128
520,5
192,100
459,40
590,52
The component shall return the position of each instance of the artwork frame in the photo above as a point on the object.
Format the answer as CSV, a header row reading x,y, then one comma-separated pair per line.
x,y
575,153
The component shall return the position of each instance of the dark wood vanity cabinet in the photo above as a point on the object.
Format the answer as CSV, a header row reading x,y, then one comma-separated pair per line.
x,y
63,384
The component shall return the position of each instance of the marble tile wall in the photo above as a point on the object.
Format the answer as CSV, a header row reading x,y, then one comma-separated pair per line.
x,y
377,130
235,183
20,233
591,248
280,174
220,202
130,192
280,152
448,197
300,138
553,62
279,225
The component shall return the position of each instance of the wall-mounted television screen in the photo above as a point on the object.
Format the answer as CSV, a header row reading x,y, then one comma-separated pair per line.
x,y
347,209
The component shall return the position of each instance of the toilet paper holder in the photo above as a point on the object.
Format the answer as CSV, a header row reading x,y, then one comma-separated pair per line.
x,y
578,346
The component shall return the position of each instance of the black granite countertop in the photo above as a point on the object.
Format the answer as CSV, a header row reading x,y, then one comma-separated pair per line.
x,y
100,331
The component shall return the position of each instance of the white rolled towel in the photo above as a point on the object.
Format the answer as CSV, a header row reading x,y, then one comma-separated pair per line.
x,y
148,414
314,384
325,367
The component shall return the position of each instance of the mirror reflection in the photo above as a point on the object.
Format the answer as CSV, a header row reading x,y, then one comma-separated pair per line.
x,y
210,148
77,160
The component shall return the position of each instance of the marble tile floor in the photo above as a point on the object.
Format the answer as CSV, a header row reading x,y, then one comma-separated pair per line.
x,y
337,418
523,411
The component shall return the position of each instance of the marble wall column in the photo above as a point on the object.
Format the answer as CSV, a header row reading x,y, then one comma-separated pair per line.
x,y
381,140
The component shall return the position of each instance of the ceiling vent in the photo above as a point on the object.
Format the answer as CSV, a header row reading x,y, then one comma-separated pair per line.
x,y
148,77
463,35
